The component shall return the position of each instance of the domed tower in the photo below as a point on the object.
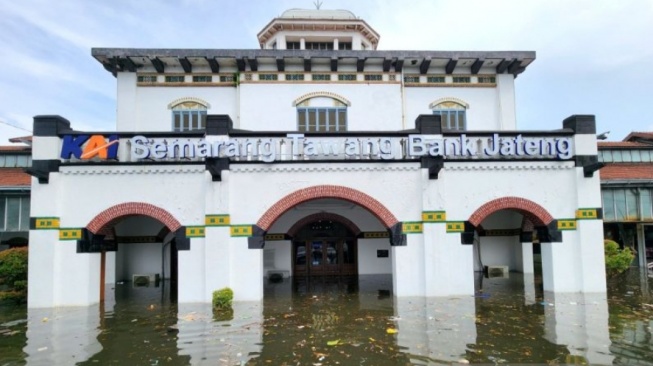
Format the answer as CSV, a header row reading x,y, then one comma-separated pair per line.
x,y
317,29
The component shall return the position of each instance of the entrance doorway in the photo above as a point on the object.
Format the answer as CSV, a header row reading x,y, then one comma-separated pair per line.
x,y
324,248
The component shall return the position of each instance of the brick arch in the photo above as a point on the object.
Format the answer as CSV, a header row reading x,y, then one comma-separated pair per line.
x,y
324,216
531,210
108,218
327,191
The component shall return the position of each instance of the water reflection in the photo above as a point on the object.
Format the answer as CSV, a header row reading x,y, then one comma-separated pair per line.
x,y
344,320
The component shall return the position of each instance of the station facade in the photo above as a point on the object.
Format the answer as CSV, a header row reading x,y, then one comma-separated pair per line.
x,y
316,155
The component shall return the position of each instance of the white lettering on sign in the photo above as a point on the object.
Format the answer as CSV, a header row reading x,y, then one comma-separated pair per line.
x,y
300,147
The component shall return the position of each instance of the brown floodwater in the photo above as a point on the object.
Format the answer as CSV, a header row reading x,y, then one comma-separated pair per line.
x,y
344,321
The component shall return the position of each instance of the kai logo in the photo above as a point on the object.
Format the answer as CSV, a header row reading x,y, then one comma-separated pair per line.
x,y
89,146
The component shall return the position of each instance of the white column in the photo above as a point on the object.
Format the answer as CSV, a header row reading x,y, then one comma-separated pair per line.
x,y
246,270
335,44
560,272
302,44
449,264
407,267
527,258
127,118
40,269
506,101
190,284
216,260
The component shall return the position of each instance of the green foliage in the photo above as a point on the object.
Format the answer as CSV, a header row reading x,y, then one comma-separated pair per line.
x,y
222,298
13,274
616,260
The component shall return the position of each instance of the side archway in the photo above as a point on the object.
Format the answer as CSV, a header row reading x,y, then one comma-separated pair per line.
x,y
533,212
375,207
105,220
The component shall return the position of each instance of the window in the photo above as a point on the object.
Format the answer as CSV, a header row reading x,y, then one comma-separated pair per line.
x,y
453,115
344,46
462,79
373,77
435,79
625,156
411,79
487,79
202,78
146,78
292,45
347,77
227,78
188,116
15,161
319,45
14,213
175,79
321,77
295,77
267,77
627,204
322,119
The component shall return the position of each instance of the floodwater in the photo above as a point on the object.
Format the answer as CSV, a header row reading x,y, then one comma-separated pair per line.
x,y
345,321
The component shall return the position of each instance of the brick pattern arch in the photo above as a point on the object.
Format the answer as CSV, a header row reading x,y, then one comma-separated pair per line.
x,y
105,220
531,210
323,216
327,191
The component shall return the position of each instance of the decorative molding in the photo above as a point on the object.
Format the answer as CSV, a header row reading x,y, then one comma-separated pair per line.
x,y
195,231
589,213
434,216
374,235
141,169
321,94
241,230
455,226
70,234
321,168
44,223
566,224
449,100
508,165
217,220
179,101
412,227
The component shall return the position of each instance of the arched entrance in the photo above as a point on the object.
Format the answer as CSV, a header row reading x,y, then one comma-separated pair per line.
x,y
506,239
324,245
137,244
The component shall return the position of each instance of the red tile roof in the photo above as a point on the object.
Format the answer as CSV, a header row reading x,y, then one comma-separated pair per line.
x,y
639,135
15,148
627,171
14,177
624,144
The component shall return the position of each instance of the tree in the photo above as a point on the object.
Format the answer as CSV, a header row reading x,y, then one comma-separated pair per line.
x,y
616,260
13,274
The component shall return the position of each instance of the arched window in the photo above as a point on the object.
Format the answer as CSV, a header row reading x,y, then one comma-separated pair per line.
x,y
188,115
454,116
321,112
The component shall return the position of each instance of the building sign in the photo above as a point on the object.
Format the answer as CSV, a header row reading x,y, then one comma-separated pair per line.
x,y
300,147
85,147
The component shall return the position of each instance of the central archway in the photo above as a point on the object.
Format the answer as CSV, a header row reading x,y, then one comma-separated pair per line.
x,y
291,200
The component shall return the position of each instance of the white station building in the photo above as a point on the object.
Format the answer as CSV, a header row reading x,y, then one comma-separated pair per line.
x,y
315,155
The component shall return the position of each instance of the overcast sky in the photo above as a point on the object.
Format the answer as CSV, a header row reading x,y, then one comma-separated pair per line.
x,y
593,56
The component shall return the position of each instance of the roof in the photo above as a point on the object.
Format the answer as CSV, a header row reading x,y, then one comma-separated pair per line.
x,y
117,60
622,144
627,171
318,14
23,139
14,177
15,148
639,136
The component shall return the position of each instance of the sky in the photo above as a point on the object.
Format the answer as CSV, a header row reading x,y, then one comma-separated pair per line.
x,y
593,56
